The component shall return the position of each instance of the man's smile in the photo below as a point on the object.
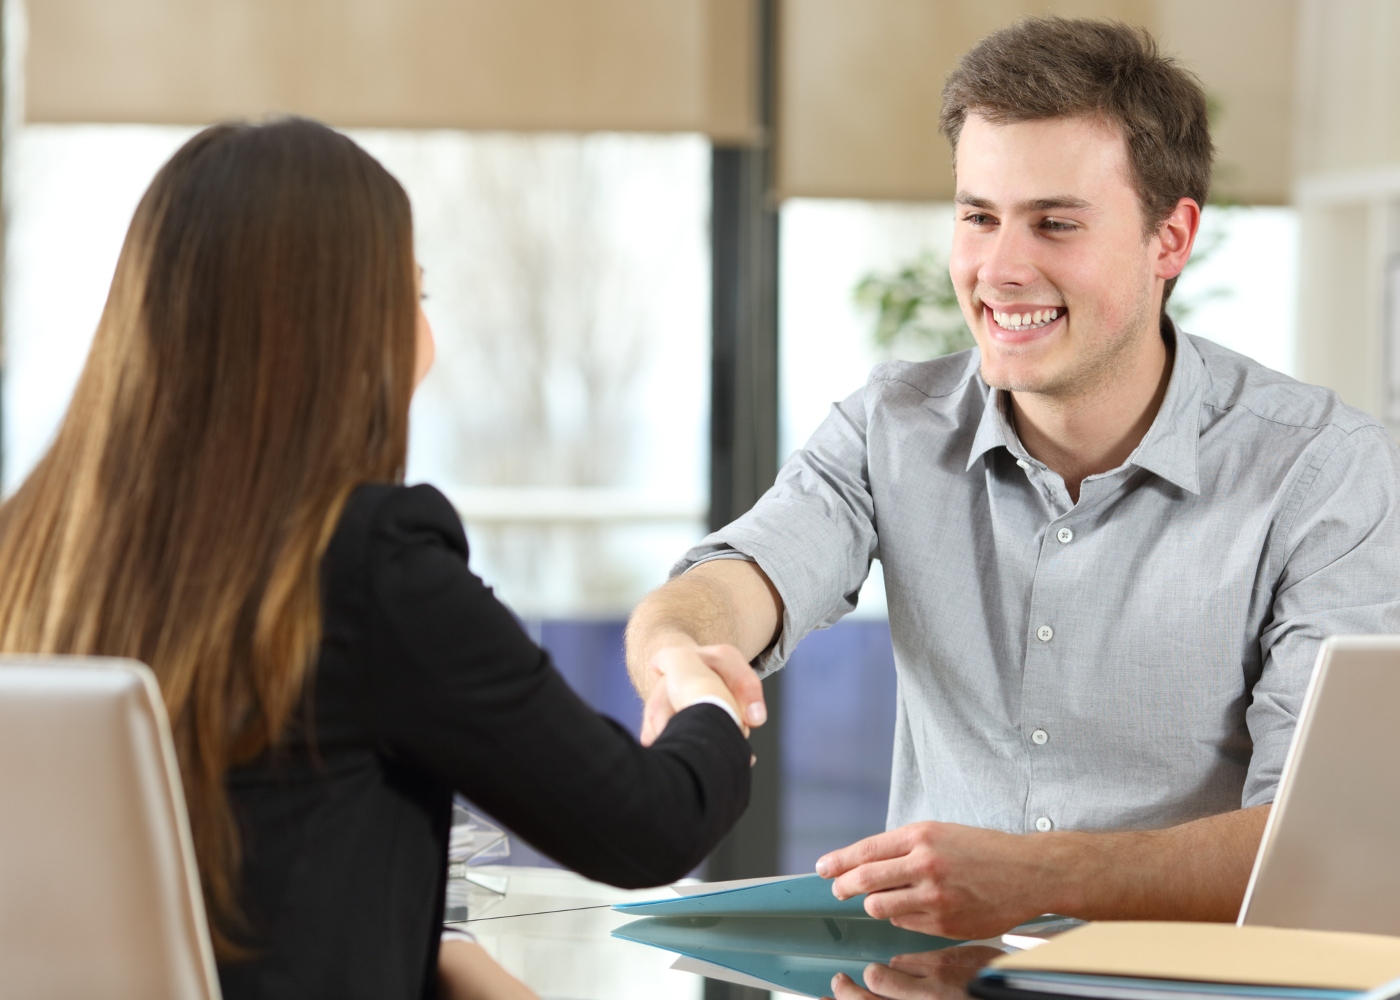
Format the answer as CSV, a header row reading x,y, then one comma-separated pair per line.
x,y
1023,323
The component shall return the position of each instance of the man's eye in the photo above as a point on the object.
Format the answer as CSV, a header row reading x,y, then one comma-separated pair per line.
x,y
977,219
1055,225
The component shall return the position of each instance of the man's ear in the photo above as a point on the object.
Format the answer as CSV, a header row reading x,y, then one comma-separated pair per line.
x,y
1175,237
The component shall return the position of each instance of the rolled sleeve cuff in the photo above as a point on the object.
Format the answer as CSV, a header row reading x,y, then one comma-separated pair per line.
x,y
1266,768
787,563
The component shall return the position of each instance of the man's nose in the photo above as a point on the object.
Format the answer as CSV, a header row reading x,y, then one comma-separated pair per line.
x,y
1009,260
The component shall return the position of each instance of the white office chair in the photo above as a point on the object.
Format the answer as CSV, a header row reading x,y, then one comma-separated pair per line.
x,y
99,893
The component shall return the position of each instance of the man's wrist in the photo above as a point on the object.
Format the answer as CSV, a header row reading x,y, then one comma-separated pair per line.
x,y
1086,872
1071,870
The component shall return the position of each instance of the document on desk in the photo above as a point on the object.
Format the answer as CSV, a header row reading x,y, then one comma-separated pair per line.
x,y
1131,960
794,896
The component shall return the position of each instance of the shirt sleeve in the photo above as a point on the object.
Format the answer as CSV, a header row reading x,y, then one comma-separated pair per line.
x,y
453,683
1340,576
813,533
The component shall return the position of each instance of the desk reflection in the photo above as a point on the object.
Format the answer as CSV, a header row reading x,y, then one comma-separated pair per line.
x,y
801,955
556,931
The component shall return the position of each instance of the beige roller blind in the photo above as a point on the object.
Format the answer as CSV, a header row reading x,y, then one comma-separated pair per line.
x,y
574,65
859,84
1245,52
858,90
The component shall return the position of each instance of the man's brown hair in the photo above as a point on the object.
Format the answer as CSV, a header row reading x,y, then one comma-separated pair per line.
x,y
1055,67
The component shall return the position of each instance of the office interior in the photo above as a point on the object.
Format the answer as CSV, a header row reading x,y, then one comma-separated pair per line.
x,y
645,227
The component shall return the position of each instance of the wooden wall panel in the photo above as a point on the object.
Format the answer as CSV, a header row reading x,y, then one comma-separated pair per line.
x,y
574,65
858,86
1245,52
860,83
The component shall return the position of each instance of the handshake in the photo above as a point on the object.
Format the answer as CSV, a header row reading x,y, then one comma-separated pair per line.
x,y
683,674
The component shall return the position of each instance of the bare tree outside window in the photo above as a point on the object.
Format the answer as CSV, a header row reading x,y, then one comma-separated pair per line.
x,y
555,278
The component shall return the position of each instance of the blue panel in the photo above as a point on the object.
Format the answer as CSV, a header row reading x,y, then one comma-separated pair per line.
x,y
838,740
590,656
838,728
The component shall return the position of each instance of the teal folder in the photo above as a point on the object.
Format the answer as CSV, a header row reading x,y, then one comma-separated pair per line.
x,y
805,896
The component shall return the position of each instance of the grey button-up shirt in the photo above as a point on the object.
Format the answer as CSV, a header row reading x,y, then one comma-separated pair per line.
x,y
1136,659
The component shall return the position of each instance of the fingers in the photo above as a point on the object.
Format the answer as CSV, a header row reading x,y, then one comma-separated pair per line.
x,y
843,987
923,921
958,961
656,714
881,847
895,985
739,676
877,877
687,690
733,670
689,679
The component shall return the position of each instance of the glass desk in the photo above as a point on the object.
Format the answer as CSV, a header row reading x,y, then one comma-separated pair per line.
x,y
554,930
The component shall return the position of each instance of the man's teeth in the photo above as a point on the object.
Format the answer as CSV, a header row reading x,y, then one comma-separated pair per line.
x,y
1026,320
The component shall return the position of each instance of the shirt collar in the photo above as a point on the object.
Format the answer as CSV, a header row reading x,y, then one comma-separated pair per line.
x,y
1169,448
1172,444
993,430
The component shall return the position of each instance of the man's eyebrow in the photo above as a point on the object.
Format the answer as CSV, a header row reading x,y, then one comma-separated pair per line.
x,y
1035,205
1060,201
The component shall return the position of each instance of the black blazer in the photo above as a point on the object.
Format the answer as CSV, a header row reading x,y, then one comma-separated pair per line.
x,y
426,684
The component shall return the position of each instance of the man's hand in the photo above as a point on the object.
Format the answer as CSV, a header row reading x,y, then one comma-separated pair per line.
x,y
962,882
721,613
929,975
741,683
941,878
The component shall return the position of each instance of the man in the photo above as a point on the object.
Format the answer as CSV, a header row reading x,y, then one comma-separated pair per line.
x,y
1110,549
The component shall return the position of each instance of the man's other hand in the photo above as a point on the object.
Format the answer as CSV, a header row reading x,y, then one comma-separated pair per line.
x,y
962,882
726,661
944,879
929,975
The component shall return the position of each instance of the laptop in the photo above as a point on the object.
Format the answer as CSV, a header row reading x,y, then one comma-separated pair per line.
x,y
1330,855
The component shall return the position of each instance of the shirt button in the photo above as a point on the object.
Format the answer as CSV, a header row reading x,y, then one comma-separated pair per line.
x,y
1023,463
1045,633
1065,536
1040,737
1044,825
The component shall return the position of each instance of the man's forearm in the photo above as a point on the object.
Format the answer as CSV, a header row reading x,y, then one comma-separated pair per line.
x,y
723,602
1195,871
690,609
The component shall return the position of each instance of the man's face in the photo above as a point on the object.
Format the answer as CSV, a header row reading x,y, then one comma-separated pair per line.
x,y
1048,258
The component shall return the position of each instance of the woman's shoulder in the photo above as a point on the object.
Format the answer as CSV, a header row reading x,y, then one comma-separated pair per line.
x,y
379,514
383,522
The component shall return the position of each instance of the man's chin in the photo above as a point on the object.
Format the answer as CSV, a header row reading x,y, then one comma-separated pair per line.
x,y
1016,378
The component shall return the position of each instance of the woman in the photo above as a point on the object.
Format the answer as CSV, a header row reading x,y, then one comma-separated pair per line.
x,y
222,502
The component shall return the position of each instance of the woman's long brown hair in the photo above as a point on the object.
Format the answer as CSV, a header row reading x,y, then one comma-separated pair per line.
x,y
253,363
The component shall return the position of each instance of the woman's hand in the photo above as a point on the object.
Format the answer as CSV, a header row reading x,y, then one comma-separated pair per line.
x,y
685,677
467,972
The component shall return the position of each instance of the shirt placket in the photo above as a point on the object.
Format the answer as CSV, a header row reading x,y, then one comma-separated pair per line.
x,y
1051,643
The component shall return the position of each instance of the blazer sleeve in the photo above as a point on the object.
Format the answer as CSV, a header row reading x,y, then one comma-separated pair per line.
x,y
453,684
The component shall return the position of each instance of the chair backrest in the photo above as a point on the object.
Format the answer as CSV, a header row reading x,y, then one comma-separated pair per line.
x,y
99,891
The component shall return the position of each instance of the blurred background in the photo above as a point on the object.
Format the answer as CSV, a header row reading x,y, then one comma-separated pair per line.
x,y
660,238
